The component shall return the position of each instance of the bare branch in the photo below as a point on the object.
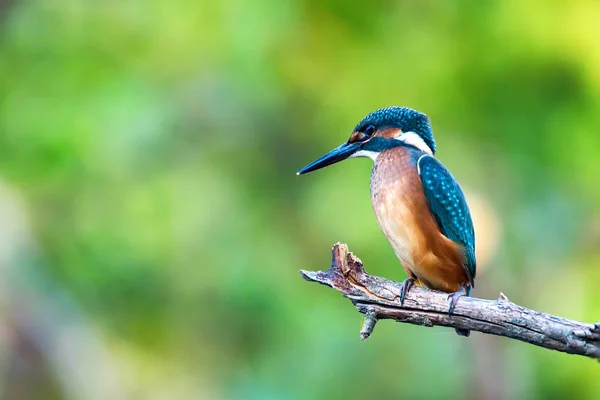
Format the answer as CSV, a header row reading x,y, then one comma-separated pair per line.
x,y
378,298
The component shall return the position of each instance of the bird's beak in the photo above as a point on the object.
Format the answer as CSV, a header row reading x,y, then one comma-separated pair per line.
x,y
338,154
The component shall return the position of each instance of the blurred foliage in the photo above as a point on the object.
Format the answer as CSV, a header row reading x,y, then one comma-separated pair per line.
x,y
154,146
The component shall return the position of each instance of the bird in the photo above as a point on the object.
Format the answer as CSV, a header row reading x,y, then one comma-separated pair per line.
x,y
419,205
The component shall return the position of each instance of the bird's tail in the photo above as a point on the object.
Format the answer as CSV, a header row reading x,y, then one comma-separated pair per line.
x,y
462,332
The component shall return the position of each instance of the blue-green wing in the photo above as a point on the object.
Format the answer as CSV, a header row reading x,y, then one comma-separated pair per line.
x,y
448,205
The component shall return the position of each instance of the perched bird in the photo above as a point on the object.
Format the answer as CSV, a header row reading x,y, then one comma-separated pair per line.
x,y
420,207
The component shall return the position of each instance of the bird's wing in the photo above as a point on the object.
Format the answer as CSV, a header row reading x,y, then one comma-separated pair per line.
x,y
448,205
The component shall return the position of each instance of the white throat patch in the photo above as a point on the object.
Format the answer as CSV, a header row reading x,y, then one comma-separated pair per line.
x,y
413,139
365,154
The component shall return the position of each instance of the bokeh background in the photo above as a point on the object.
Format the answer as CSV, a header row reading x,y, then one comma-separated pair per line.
x,y
152,225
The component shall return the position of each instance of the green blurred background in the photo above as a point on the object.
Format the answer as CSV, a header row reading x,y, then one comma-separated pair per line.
x,y
152,226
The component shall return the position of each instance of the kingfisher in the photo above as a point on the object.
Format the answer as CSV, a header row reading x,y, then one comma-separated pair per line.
x,y
419,206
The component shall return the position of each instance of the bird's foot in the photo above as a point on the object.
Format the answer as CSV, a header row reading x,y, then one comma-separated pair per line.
x,y
453,297
406,285
592,334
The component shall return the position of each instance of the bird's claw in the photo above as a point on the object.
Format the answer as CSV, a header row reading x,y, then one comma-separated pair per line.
x,y
453,297
592,334
404,288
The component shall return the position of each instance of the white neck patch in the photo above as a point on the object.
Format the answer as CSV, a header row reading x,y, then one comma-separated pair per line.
x,y
415,140
365,154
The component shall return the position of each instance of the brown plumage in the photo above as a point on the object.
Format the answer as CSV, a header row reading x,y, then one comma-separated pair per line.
x,y
404,216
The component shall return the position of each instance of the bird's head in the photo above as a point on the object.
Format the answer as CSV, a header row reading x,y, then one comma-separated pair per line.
x,y
382,129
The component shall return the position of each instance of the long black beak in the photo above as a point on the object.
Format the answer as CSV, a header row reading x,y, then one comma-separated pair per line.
x,y
338,154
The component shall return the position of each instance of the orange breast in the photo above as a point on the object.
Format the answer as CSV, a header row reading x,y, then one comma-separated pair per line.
x,y
404,217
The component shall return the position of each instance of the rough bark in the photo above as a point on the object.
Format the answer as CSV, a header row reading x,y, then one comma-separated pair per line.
x,y
378,298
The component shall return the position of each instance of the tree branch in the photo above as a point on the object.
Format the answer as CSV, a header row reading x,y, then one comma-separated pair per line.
x,y
378,298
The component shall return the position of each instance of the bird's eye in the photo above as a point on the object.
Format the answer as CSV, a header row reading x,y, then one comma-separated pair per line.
x,y
362,134
369,130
